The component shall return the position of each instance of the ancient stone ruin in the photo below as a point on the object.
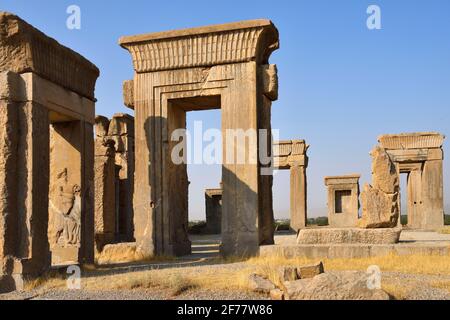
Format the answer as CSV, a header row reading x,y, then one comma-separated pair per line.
x,y
213,205
343,200
69,192
420,156
291,155
47,111
222,66
114,179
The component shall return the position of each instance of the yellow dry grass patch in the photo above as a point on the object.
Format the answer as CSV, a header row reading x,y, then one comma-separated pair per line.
x,y
445,230
228,277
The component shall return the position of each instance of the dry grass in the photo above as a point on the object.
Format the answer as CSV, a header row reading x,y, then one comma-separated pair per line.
x,y
398,291
235,277
414,264
445,230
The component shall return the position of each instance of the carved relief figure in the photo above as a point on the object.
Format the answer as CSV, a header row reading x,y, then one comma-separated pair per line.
x,y
66,213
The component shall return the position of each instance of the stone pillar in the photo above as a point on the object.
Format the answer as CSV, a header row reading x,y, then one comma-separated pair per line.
x,y
298,197
121,130
292,155
105,185
213,204
433,195
47,107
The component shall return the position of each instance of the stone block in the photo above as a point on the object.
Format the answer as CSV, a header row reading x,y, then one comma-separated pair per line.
x,y
349,236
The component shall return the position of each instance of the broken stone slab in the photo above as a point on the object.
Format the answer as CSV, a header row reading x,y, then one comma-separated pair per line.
x,y
349,236
347,285
288,274
379,209
384,173
260,284
310,271
276,295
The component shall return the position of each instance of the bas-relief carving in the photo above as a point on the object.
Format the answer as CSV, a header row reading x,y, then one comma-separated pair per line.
x,y
65,213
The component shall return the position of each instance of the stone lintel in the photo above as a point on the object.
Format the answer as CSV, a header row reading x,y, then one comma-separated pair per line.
x,y
351,179
26,49
290,147
213,192
63,104
208,46
416,155
418,140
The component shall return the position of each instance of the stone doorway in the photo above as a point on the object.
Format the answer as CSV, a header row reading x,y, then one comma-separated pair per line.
x,y
230,61
178,180
420,156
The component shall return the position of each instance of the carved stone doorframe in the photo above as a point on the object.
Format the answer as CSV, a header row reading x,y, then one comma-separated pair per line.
x,y
420,155
229,61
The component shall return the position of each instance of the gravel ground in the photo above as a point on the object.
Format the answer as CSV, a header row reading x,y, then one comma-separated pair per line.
x,y
416,287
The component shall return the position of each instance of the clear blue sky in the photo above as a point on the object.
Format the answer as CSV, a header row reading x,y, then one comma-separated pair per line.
x,y
341,85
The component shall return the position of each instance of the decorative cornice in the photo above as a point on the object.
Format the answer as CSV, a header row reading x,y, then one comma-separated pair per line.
x,y
421,140
345,179
253,40
23,48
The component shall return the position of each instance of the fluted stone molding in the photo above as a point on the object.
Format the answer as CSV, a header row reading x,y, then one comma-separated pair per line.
x,y
245,41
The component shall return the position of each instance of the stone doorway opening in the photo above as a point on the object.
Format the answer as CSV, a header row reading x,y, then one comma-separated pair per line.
x,y
179,183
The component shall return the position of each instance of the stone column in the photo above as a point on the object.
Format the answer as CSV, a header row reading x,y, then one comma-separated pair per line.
x,y
105,185
298,197
213,204
121,130
433,195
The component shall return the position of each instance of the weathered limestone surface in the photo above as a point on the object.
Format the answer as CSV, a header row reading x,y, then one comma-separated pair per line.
x,y
121,130
379,209
47,108
260,284
349,235
128,93
343,200
380,202
384,172
213,203
105,185
291,154
420,156
172,77
349,285
26,49
310,271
